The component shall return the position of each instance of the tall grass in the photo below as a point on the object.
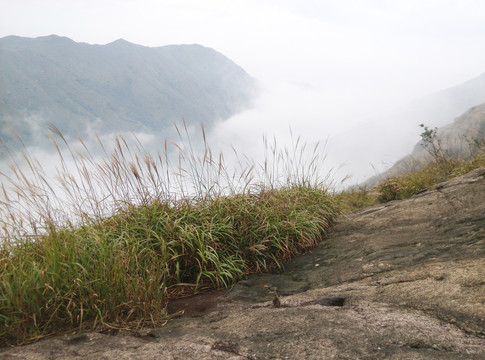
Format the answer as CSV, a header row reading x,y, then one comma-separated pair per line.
x,y
115,237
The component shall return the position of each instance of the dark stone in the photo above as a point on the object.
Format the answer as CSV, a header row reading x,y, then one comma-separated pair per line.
x,y
77,338
226,346
332,301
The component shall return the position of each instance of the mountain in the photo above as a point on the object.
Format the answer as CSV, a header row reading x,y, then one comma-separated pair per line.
x,y
115,87
374,145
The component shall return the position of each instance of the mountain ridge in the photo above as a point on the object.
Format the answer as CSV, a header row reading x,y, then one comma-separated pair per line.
x,y
117,86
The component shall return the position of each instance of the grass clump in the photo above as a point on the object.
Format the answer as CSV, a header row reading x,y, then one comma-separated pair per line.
x,y
407,185
353,199
442,167
129,232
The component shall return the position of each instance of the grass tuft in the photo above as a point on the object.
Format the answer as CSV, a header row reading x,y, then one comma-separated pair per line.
x,y
407,185
109,243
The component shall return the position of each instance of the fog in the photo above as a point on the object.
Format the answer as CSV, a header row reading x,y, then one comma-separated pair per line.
x,y
328,69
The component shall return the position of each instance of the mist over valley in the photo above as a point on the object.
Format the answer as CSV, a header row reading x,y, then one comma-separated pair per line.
x,y
142,92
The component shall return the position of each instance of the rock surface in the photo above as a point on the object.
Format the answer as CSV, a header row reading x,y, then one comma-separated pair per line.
x,y
402,280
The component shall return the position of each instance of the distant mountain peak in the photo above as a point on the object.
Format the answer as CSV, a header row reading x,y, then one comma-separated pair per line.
x,y
55,38
121,42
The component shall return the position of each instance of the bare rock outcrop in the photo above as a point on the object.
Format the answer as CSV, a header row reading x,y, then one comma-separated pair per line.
x,y
402,280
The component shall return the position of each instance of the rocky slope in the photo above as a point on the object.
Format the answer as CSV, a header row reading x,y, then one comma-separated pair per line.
x,y
391,135
402,280
115,87
461,139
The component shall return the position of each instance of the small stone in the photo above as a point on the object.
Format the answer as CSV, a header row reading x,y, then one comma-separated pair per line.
x,y
227,346
77,338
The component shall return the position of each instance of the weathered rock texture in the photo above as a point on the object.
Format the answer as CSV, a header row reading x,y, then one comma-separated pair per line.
x,y
404,280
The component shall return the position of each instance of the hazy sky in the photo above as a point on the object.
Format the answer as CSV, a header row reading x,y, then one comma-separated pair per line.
x,y
326,65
